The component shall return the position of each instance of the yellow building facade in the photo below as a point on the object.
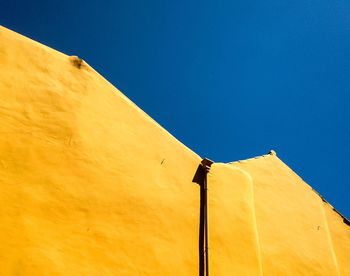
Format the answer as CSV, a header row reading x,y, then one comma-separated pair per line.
x,y
91,185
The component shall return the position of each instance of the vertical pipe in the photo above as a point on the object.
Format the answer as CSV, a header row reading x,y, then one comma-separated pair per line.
x,y
203,229
202,226
206,246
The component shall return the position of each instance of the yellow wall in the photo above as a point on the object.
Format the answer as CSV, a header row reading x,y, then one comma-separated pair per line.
x,y
292,227
234,247
91,185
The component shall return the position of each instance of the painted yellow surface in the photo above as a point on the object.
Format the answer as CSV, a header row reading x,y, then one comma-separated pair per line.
x,y
234,247
294,233
91,185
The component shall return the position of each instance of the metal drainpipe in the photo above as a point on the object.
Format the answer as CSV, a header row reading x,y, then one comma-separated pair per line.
x,y
206,163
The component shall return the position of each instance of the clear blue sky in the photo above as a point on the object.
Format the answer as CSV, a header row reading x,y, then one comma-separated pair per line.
x,y
230,79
